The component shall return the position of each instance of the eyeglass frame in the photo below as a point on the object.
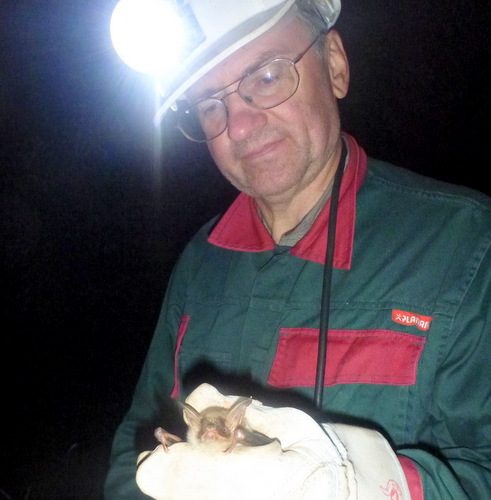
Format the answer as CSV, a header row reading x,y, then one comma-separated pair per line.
x,y
239,81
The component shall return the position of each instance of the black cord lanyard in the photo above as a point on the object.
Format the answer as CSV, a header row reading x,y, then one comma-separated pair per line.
x,y
327,280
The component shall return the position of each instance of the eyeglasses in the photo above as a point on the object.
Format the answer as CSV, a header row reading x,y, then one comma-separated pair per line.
x,y
267,87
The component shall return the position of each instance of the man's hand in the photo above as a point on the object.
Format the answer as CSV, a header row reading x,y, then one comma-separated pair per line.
x,y
303,463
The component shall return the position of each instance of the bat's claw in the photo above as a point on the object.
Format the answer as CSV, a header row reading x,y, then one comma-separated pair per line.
x,y
233,444
165,438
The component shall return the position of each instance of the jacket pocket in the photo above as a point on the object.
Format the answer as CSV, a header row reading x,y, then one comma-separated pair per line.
x,y
353,356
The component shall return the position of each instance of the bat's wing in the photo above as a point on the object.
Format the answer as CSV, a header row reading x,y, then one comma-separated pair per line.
x,y
254,438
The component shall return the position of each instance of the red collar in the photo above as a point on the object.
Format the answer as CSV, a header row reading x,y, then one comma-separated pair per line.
x,y
241,228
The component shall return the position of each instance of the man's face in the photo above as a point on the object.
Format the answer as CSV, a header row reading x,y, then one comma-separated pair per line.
x,y
274,155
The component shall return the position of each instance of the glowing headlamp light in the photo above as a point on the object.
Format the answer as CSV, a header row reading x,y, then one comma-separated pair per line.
x,y
152,36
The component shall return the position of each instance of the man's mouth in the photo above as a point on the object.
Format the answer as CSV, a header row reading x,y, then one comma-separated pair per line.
x,y
258,151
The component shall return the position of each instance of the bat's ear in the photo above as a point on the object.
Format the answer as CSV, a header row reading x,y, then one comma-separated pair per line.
x,y
191,416
236,413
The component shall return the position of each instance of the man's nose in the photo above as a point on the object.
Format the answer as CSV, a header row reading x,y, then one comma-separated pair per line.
x,y
243,119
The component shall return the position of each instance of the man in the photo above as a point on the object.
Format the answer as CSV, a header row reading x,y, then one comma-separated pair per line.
x,y
408,345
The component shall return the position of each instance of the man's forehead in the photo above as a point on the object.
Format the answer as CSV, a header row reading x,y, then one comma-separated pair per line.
x,y
281,41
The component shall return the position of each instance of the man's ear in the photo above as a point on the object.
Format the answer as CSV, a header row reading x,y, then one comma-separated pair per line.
x,y
337,61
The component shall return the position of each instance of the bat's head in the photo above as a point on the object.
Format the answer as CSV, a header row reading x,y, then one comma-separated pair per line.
x,y
215,423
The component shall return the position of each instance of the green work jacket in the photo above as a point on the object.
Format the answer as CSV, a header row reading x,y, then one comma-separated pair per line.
x,y
409,345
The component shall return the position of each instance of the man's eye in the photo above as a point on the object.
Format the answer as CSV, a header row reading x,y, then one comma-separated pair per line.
x,y
267,80
208,108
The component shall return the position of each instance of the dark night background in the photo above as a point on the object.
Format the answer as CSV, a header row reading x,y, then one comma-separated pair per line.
x,y
94,216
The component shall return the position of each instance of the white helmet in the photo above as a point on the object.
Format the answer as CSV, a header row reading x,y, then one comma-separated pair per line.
x,y
209,31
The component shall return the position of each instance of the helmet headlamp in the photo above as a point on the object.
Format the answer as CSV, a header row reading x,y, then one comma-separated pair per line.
x,y
179,41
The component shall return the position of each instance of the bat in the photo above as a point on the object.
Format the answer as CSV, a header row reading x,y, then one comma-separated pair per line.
x,y
216,426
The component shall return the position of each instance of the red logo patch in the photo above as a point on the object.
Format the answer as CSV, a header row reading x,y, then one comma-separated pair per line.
x,y
411,319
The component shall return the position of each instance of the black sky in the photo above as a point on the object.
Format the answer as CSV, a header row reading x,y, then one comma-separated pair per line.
x,y
93,217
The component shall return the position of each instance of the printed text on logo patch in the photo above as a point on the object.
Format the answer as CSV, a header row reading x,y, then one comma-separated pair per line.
x,y
411,319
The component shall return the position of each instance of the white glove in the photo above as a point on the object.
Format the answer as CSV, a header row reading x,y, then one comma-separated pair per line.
x,y
308,462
